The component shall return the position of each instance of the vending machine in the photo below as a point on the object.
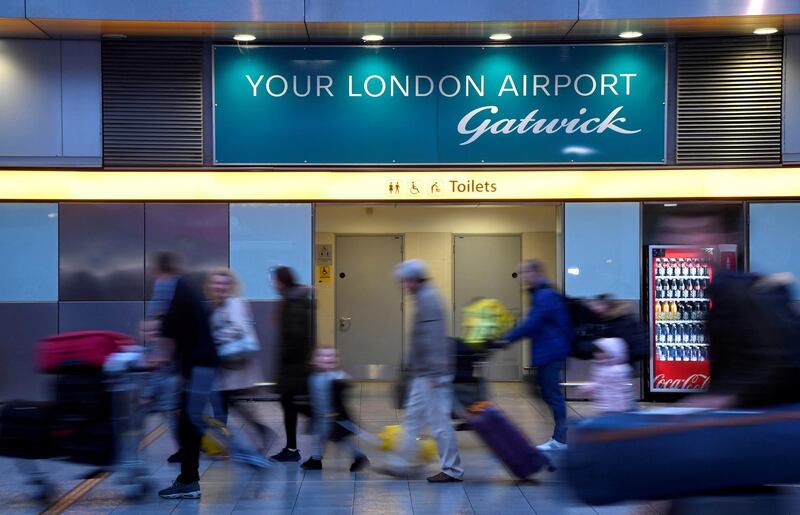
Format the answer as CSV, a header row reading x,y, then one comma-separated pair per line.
x,y
679,278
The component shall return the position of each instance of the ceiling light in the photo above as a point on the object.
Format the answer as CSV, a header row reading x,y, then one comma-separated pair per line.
x,y
670,205
630,34
244,38
500,37
765,31
114,36
371,38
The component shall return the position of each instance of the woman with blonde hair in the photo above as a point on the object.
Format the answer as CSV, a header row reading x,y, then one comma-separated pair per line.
x,y
237,346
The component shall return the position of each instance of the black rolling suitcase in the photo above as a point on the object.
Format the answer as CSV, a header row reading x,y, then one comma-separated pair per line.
x,y
27,430
84,409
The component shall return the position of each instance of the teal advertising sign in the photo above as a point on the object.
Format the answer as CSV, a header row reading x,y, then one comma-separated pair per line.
x,y
440,105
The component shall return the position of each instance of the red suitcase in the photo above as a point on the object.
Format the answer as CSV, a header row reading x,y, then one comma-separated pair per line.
x,y
79,351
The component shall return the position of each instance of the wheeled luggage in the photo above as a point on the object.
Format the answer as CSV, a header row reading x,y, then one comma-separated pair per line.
x,y
79,351
507,442
675,452
97,417
26,430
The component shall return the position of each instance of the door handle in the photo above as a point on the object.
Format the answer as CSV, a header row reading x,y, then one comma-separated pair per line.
x,y
344,323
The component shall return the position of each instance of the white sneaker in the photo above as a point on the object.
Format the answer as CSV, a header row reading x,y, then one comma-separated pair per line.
x,y
552,445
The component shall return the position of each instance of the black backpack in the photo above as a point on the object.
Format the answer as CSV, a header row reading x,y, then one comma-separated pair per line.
x,y
585,327
588,327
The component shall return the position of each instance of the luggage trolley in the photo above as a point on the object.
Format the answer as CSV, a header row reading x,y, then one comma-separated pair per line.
x,y
97,417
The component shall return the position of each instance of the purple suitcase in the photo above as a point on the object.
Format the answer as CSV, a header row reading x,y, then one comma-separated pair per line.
x,y
509,444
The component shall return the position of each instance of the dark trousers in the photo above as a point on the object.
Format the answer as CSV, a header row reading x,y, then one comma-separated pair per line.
x,y
291,408
549,378
191,426
190,446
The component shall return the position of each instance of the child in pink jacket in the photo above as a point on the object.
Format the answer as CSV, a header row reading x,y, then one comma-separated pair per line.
x,y
611,390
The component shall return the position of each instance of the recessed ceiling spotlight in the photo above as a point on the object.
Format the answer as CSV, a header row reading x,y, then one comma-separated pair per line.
x,y
244,38
371,38
765,31
114,36
500,37
630,34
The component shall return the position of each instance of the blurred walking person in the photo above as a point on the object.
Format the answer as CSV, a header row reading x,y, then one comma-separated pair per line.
x,y
186,322
294,321
237,346
327,385
753,331
431,369
548,326
162,391
611,390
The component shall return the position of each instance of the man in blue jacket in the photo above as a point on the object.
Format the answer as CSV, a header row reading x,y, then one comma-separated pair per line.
x,y
548,326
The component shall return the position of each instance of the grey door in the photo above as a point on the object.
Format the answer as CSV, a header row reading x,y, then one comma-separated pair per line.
x,y
369,305
487,266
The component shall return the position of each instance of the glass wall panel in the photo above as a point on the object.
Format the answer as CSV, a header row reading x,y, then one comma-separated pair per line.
x,y
775,239
266,235
29,257
602,252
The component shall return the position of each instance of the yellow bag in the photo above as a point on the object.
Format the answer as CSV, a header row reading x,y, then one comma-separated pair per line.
x,y
211,446
213,441
485,320
391,436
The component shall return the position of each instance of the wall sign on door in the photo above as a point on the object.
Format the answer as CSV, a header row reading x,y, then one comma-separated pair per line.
x,y
440,105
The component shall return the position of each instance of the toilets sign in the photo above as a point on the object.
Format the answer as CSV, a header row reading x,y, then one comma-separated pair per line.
x,y
440,105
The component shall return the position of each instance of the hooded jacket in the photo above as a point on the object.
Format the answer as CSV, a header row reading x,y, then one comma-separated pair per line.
x,y
547,324
611,388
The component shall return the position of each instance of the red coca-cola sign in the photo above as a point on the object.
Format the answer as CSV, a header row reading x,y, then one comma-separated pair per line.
x,y
681,375
693,382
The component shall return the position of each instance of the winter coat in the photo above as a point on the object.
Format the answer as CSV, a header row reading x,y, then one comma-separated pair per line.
x,y
233,319
186,322
431,352
611,389
548,326
294,319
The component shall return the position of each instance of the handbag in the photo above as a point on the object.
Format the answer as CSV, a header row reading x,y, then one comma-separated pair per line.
x,y
242,348
233,343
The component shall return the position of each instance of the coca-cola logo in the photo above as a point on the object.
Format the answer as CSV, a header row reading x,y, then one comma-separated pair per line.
x,y
693,382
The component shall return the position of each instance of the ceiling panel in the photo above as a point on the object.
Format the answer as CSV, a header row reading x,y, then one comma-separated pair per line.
x,y
403,32
684,27
220,31
621,9
280,11
12,9
19,28
439,11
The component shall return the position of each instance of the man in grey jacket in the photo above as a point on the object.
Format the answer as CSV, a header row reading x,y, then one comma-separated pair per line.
x,y
430,372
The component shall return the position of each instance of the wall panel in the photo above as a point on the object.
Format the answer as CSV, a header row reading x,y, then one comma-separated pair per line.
x,y
197,232
102,251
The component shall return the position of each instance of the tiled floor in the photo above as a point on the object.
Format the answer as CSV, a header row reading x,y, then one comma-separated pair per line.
x,y
228,488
